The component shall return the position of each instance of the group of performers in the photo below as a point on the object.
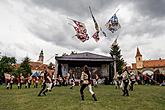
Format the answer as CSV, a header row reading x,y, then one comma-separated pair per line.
x,y
124,81
49,81
85,82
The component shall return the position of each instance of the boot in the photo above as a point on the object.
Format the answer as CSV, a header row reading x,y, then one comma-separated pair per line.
x,y
94,97
40,93
71,87
45,92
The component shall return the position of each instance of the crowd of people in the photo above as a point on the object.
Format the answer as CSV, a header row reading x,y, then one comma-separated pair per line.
x,y
48,80
127,79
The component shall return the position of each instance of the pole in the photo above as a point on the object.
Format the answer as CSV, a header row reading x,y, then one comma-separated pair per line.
x,y
114,65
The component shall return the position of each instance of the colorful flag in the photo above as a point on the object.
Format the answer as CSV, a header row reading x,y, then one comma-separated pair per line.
x,y
113,24
82,37
81,31
79,24
96,36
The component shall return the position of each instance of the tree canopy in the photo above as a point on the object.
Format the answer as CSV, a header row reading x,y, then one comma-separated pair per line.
x,y
116,52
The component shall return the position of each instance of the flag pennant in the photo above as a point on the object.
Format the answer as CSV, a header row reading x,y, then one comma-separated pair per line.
x,y
82,37
94,20
81,31
113,24
96,36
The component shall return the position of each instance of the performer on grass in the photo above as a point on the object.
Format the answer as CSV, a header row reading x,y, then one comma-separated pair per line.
x,y
46,83
85,82
125,81
72,76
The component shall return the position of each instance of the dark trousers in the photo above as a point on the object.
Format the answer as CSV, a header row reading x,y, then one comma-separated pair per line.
x,y
29,85
20,86
42,90
82,92
131,86
82,88
125,91
11,85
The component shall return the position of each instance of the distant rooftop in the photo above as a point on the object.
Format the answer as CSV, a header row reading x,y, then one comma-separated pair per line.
x,y
86,56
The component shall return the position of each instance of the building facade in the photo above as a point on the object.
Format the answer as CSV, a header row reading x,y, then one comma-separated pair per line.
x,y
98,64
148,66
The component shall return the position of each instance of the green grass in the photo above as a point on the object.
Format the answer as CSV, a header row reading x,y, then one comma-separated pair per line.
x,y
63,98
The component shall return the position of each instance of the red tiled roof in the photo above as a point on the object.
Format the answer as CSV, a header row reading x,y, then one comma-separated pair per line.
x,y
37,66
154,63
34,66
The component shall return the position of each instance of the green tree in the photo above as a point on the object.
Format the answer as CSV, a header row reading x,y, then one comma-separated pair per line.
x,y
24,68
6,65
116,52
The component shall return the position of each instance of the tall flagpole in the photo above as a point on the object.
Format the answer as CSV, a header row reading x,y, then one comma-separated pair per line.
x,y
115,73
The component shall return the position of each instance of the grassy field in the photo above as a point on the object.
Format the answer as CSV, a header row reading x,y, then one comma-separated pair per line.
x,y
63,98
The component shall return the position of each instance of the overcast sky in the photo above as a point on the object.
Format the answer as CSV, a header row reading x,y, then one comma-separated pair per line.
x,y
27,26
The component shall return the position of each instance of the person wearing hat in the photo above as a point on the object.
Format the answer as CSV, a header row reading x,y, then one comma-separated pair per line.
x,y
85,82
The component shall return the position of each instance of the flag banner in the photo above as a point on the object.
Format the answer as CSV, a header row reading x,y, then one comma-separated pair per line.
x,y
94,20
76,29
113,24
82,37
81,31
78,23
96,36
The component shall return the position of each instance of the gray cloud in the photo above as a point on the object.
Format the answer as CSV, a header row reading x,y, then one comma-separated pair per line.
x,y
76,8
151,8
146,22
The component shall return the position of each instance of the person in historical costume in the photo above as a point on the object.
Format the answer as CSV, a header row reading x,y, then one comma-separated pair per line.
x,y
7,80
95,80
125,81
72,80
132,81
116,80
53,80
36,82
29,79
20,81
59,80
47,84
85,82
11,81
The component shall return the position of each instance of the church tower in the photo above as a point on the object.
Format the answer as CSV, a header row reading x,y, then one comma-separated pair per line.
x,y
41,57
139,60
